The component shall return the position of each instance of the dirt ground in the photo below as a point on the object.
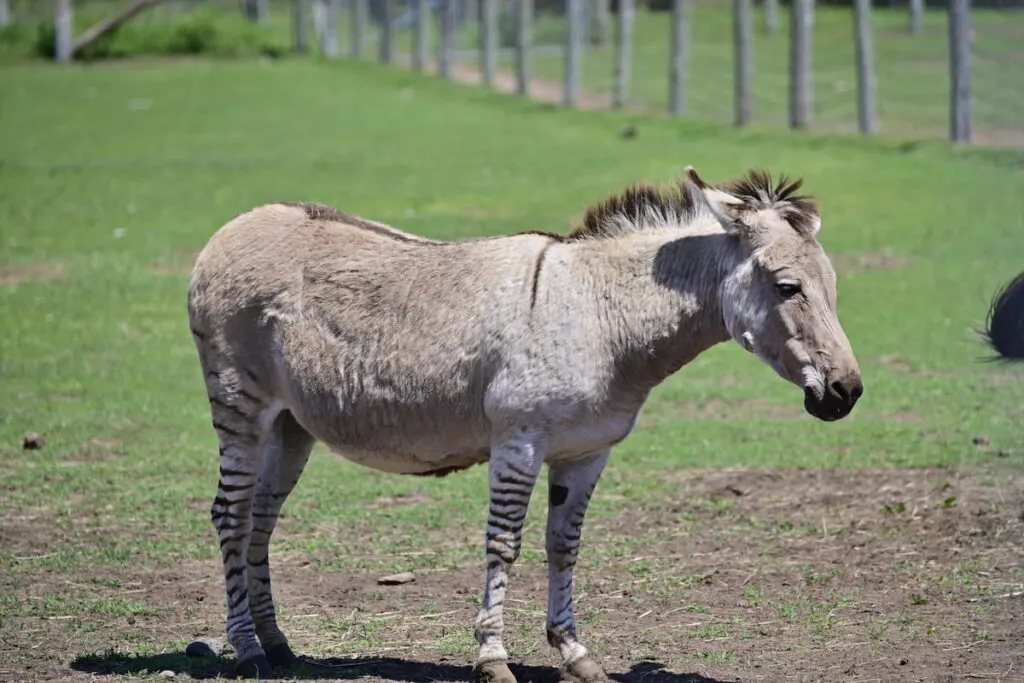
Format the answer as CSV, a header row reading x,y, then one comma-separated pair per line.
x,y
902,575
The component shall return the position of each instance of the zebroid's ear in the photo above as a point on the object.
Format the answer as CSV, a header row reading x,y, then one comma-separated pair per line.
x,y
724,206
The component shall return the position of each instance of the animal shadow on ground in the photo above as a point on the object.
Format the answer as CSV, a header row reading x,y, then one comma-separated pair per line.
x,y
386,668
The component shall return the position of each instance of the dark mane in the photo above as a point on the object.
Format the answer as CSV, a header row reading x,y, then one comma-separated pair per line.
x,y
1004,325
759,191
638,208
643,206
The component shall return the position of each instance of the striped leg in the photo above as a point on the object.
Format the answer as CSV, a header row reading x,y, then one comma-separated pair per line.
x,y
284,458
243,433
514,467
570,486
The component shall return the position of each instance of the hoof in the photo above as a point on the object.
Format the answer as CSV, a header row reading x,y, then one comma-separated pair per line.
x,y
493,672
587,670
281,656
254,667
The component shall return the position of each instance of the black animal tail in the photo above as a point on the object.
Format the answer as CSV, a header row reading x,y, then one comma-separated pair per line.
x,y
1004,327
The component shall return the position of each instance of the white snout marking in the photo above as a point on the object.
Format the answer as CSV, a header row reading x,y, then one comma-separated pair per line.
x,y
814,380
747,341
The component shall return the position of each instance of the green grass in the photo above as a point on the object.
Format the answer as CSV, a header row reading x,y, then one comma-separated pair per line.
x,y
112,196
111,177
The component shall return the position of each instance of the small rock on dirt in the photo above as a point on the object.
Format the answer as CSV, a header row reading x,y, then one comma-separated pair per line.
x,y
33,442
204,647
396,579
980,440
167,674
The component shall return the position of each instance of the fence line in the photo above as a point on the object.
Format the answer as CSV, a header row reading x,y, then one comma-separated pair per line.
x,y
866,119
514,24
524,44
743,44
421,38
489,40
915,21
960,70
449,19
386,47
623,53
573,51
600,29
800,39
771,16
680,56
63,24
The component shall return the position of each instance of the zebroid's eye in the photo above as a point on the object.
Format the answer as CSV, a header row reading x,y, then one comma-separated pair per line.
x,y
788,289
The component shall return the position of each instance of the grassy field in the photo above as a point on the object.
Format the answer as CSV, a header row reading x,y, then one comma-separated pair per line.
x,y
732,534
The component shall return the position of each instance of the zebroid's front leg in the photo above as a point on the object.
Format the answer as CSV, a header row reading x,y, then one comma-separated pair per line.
x,y
570,486
514,466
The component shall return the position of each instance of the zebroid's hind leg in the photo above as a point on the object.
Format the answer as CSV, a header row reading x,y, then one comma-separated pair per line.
x,y
284,457
243,429
569,489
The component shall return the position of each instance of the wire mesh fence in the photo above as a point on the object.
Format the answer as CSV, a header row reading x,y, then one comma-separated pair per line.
x,y
677,56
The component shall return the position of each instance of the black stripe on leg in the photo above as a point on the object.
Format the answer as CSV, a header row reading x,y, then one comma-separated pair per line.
x,y
224,472
507,555
520,471
521,494
508,502
527,484
502,524
223,502
232,488
246,395
225,514
238,601
561,624
227,430
566,606
227,406
229,539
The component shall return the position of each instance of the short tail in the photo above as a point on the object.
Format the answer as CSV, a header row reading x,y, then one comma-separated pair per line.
x,y
1004,326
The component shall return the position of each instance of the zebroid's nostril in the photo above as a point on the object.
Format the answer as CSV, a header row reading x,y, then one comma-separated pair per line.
x,y
839,390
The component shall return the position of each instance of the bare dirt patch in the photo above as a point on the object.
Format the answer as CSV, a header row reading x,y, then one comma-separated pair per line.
x,y
542,90
740,575
14,274
1010,137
